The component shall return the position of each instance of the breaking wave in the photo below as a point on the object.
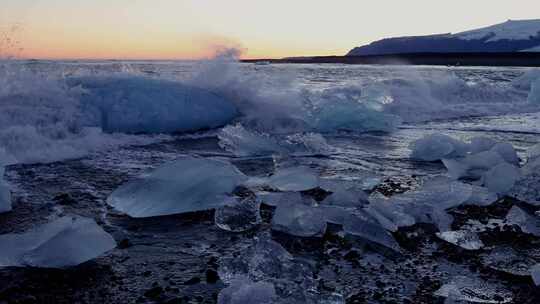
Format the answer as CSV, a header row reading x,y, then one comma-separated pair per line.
x,y
55,113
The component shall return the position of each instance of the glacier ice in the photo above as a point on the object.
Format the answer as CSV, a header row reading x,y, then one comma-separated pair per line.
x,y
527,223
299,220
136,104
294,179
465,239
436,147
247,292
239,215
186,185
67,241
501,178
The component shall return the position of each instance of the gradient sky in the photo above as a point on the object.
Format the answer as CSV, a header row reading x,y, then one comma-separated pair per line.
x,y
188,29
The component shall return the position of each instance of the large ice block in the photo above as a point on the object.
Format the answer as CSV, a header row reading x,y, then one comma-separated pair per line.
x,y
186,185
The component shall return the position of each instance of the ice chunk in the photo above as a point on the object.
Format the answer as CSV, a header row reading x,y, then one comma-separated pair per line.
x,y
533,153
501,178
527,189
394,212
351,115
134,104
335,215
440,147
528,223
425,205
481,144
440,192
472,166
5,194
313,143
247,292
299,220
385,222
264,259
364,226
472,290
294,179
267,261
533,160
276,199
535,274
429,214
241,142
370,183
68,241
507,152
481,196
238,216
185,185
534,94
436,147
524,82
465,239
244,142
508,260
342,195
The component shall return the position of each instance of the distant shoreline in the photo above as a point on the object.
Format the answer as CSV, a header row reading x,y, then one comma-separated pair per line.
x,y
517,59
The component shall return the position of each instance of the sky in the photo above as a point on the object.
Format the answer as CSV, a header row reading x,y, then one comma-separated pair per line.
x,y
193,29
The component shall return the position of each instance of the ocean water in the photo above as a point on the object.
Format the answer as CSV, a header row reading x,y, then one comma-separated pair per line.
x,y
81,129
59,110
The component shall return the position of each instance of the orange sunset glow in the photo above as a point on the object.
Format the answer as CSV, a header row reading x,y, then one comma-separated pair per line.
x,y
167,29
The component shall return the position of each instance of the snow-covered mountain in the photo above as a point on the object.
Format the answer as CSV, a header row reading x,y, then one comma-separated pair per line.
x,y
510,36
509,30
